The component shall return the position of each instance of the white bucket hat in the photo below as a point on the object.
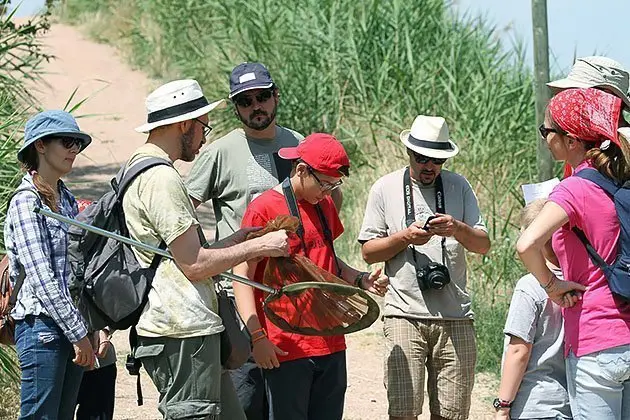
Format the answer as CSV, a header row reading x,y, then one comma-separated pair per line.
x,y
596,72
429,137
176,101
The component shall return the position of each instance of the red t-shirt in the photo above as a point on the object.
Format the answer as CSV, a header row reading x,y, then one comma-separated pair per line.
x,y
265,208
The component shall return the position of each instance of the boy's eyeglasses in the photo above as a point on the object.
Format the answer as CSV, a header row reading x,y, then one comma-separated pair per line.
x,y
426,159
245,101
545,131
206,128
325,186
70,142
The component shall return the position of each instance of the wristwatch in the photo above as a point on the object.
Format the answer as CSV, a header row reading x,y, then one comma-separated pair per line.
x,y
499,403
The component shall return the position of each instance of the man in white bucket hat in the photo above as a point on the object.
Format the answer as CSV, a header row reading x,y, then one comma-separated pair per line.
x,y
178,332
596,72
420,220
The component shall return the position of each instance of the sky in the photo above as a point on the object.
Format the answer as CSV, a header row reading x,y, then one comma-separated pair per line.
x,y
576,27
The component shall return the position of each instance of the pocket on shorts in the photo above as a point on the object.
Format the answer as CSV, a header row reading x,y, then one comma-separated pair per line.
x,y
155,363
615,363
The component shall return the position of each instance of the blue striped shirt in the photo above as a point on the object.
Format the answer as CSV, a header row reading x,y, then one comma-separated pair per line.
x,y
40,245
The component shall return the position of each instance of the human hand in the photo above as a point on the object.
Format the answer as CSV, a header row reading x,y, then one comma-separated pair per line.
x,y
375,282
502,414
564,293
416,235
273,244
101,343
265,353
83,353
443,225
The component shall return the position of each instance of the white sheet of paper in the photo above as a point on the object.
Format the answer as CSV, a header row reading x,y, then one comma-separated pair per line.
x,y
533,192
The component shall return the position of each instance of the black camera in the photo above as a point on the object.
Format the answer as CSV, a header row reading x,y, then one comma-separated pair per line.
x,y
133,365
433,276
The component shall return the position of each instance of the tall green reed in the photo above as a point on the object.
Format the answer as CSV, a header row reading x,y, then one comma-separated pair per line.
x,y
363,71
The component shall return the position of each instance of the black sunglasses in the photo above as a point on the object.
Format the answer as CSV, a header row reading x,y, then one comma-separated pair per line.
x,y
206,128
325,186
426,159
70,142
545,131
244,101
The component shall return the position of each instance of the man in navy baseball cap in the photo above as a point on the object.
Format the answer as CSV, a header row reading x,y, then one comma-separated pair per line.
x,y
249,76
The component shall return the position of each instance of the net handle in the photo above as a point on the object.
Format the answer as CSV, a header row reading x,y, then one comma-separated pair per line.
x,y
155,250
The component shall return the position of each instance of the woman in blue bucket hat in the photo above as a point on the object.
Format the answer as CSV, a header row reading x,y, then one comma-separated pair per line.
x,y
51,336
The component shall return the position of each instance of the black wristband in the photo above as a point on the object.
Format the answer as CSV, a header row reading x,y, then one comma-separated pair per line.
x,y
358,281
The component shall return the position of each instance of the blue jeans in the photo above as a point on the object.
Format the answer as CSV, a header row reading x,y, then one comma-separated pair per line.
x,y
312,388
599,384
50,380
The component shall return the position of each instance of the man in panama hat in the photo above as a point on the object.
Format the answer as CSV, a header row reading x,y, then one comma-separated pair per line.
x,y
178,332
420,220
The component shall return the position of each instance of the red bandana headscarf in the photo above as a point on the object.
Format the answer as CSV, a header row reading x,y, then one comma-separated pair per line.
x,y
590,115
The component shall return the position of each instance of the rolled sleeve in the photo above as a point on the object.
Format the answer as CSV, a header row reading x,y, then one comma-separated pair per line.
x,y
374,222
31,238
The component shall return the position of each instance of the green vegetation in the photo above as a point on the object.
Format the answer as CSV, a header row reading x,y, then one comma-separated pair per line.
x,y
363,71
20,57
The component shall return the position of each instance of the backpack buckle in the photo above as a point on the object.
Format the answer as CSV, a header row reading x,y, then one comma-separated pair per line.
x,y
133,365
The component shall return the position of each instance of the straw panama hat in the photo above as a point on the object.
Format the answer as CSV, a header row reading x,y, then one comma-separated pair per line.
x,y
429,136
176,101
596,72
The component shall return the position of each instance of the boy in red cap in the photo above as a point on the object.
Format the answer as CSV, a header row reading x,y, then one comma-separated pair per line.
x,y
305,376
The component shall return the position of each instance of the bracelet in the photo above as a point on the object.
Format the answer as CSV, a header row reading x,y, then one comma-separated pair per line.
x,y
548,285
358,280
257,331
258,334
257,339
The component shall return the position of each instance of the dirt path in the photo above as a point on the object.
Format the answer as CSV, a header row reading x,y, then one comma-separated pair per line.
x,y
116,106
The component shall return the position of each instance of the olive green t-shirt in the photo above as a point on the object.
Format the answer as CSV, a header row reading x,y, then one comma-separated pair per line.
x,y
157,207
234,170
385,215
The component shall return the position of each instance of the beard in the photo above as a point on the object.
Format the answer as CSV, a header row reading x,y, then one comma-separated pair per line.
x,y
263,123
188,151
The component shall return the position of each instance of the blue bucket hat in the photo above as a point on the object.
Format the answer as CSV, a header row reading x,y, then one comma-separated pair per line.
x,y
249,76
52,123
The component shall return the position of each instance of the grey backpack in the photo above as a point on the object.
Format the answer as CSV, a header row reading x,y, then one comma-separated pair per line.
x,y
108,284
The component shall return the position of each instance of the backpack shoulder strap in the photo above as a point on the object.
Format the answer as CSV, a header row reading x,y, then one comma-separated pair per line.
x,y
598,179
132,172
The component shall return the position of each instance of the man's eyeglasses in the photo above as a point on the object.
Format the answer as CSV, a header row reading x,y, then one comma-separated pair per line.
x,y
545,131
245,101
70,142
206,128
325,186
426,159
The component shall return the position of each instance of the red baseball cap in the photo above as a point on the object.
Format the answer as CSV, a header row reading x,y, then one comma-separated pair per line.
x,y
322,152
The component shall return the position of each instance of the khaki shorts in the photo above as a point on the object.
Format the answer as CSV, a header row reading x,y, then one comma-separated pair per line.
x,y
447,348
188,375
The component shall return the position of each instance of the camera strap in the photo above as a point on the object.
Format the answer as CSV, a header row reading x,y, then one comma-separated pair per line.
x,y
410,211
289,196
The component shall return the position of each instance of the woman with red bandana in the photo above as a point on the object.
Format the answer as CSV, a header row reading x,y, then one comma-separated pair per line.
x,y
581,128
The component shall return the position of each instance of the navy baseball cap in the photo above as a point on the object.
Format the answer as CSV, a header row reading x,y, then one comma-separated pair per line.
x,y
52,123
248,76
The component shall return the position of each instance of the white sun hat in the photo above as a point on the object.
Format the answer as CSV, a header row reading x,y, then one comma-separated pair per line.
x,y
429,137
596,72
176,101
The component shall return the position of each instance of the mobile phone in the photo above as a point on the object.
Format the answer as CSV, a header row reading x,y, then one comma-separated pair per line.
x,y
426,224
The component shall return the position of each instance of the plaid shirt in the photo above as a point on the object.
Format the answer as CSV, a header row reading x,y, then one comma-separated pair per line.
x,y
40,245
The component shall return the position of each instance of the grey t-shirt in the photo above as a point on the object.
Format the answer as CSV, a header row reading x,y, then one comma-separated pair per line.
x,y
385,215
234,170
534,318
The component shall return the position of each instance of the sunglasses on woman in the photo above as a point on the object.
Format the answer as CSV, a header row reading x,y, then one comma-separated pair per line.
x,y
426,159
545,131
323,185
70,142
245,101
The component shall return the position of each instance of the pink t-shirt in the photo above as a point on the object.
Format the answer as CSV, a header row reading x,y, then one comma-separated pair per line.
x,y
600,320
